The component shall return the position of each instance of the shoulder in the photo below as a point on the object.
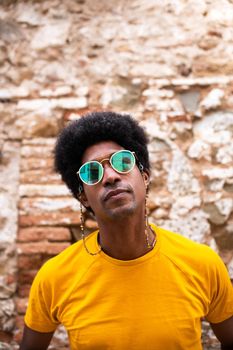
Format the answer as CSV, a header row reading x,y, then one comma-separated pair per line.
x,y
187,253
69,264
178,240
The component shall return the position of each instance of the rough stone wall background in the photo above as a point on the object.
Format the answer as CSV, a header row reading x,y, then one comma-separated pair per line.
x,y
168,63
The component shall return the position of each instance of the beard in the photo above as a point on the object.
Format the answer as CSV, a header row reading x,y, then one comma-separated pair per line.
x,y
122,207
121,211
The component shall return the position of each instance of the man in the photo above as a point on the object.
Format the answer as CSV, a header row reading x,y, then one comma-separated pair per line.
x,y
129,285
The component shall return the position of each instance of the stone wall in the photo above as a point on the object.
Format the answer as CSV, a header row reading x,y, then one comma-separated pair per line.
x,y
169,63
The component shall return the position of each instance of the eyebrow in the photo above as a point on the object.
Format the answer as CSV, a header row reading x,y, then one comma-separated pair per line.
x,y
107,156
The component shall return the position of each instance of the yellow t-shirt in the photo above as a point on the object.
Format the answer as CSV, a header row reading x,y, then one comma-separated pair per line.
x,y
154,302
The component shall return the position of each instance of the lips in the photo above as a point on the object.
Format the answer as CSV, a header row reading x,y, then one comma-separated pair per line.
x,y
114,193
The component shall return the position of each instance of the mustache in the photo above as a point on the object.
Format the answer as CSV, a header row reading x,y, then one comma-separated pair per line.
x,y
115,187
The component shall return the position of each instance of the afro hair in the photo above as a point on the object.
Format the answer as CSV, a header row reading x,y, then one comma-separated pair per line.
x,y
91,129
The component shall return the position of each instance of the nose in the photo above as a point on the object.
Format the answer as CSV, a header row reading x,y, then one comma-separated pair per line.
x,y
110,175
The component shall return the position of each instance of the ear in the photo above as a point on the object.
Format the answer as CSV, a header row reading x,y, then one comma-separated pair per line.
x,y
146,178
83,199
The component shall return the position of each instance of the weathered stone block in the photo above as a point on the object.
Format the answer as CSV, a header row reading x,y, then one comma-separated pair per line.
x,y
212,65
49,219
190,100
9,169
8,267
43,190
10,31
213,99
29,164
51,34
7,315
36,123
56,91
200,149
60,339
40,177
215,128
37,151
45,205
214,215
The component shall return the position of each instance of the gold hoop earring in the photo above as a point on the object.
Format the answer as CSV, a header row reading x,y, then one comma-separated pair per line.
x,y
83,233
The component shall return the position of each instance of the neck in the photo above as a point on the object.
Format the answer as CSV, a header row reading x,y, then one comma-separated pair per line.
x,y
125,239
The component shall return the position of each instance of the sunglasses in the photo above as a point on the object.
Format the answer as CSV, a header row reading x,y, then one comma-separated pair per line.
x,y
91,173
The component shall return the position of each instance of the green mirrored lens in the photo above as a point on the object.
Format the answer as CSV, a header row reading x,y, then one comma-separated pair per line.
x,y
91,173
123,161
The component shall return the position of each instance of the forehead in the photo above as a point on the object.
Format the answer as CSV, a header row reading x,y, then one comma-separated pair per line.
x,y
100,150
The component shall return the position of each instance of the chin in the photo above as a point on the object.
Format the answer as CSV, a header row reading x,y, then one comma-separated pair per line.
x,y
121,212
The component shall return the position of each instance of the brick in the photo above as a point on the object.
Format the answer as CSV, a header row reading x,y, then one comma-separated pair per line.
x,y
21,305
49,142
5,337
59,234
34,164
40,176
19,323
29,262
23,290
10,279
40,205
210,66
41,248
47,219
26,277
36,151
52,234
17,337
32,190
